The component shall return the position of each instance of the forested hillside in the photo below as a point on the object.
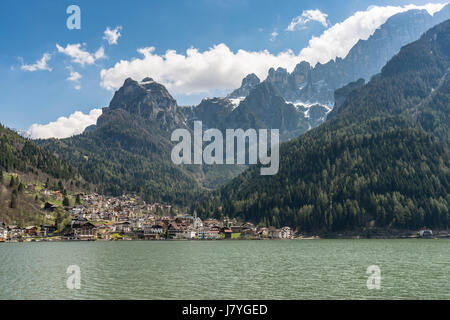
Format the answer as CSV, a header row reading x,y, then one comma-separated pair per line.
x,y
127,154
128,151
381,161
19,154
25,169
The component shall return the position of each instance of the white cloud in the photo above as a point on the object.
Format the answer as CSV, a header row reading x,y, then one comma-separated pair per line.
x,y
74,76
308,16
220,69
273,36
197,72
64,127
340,38
112,35
79,55
39,65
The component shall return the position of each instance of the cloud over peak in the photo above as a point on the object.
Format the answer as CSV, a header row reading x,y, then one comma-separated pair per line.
x,y
337,40
64,127
308,16
217,68
221,69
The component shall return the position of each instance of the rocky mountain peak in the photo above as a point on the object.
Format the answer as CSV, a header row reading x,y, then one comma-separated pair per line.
x,y
303,68
248,83
317,84
278,75
147,98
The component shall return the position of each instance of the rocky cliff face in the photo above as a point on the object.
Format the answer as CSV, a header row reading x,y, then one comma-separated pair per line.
x,y
248,83
213,112
147,99
262,108
269,110
340,95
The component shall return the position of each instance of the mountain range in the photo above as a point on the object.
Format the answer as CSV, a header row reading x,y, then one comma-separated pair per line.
x,y
366,139
381,161
308,92
316,84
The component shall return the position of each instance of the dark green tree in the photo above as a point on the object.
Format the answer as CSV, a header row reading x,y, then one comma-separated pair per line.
x,y
13,203
66,202
12,182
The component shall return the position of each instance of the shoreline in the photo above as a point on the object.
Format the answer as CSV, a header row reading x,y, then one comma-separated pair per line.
x,y
316,237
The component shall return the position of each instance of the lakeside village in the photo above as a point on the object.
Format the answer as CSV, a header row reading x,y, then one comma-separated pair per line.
x,y
99,217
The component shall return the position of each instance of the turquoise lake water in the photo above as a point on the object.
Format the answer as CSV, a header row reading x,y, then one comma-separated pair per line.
x,y
205,270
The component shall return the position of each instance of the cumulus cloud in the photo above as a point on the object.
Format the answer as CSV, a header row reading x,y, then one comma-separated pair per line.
x,y
39,65
273,36
308,16
197,72
220,69
112,35
340,38
74,76
80,55
64,127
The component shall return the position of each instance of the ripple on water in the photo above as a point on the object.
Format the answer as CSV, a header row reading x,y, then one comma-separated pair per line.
x,y
322,269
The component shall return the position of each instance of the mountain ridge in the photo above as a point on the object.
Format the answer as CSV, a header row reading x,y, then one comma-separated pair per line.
x,y
316,84
370,166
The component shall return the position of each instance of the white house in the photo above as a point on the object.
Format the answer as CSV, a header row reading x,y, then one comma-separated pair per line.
x,y
122,227
189,234
286,233
3,232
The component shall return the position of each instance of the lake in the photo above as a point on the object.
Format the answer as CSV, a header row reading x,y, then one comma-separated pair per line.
x,y
205,270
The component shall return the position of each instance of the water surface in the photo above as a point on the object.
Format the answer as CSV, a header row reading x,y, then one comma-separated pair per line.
x,y
204,270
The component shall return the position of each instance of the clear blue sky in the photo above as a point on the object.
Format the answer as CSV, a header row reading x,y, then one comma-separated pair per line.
x,y
28,29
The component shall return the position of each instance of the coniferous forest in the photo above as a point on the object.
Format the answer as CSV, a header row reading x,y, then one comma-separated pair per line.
x,y
381,160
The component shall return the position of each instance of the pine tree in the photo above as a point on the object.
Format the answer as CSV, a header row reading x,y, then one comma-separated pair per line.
x,y
66,202
13,203
12,182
